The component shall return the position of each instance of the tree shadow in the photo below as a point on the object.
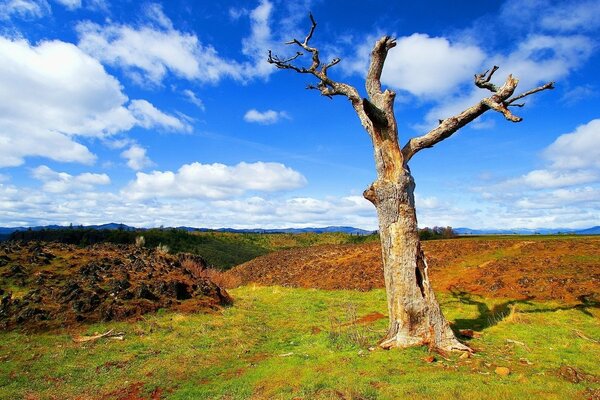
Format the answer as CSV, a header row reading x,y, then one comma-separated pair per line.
x,y
489,317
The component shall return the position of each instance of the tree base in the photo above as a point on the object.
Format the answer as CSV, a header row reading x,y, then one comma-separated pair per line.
x,y
403,341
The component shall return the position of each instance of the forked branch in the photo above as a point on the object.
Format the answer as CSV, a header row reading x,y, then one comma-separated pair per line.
x,y
325,85
499,101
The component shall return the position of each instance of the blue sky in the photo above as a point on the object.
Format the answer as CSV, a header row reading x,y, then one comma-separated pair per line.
x,y
151,113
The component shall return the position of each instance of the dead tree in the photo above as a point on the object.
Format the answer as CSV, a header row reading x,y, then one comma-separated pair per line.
x,y
415,317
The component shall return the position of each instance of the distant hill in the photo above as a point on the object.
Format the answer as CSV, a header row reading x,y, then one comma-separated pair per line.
x,y
6,231
113,226
523,231
590,231
327,229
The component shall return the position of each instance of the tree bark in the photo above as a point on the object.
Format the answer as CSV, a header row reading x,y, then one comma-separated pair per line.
x,y
414,313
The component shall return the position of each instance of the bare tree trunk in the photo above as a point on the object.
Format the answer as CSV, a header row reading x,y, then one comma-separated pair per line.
x,y
415,315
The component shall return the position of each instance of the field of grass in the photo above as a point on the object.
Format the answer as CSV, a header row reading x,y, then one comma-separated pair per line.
x,y
283,343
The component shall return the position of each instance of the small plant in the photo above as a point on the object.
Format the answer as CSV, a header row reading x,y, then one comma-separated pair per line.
x,y
162,248
351,331
140,241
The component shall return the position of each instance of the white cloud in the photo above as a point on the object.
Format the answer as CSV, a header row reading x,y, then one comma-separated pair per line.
x,y
61,182
564,194
149,52
430,66
192,98
26,9
572,16
542,58
421,65
154,12
31,206
267,117
136,158
260,40
546,179
149,116
214,181
153,52
578,149
70,4
53,93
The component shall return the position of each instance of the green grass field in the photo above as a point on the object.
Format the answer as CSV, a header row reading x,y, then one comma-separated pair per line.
x,y
281,343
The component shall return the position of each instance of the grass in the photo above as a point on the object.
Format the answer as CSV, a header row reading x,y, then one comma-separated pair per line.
x,y
281,343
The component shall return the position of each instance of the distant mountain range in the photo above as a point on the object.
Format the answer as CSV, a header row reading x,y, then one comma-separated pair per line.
x,y
344,229
523,231
6,231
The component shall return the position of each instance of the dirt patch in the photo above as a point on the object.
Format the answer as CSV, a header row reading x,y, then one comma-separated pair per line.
x,y
134,392
367,319
566,269
52,285
575,375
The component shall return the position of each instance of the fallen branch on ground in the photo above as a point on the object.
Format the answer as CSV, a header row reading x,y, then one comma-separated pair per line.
x,y
109,334
581,335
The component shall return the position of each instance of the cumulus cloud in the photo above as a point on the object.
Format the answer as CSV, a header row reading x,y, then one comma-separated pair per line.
x,y
564,194
52,93
214,181
149,52
578,149
26,9
421,65
267,117
60,182
430,66
31,206
136,158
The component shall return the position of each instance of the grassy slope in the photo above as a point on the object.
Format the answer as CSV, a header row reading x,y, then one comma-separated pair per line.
x,y
222,250
291,343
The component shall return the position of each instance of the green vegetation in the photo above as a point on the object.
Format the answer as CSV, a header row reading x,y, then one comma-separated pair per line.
x,y
280,343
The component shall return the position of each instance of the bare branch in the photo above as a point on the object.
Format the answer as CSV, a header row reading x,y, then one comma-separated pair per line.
x,y
331,64
549,85
483,80
285,63
499,101
378,56
312,29
326,86
501,108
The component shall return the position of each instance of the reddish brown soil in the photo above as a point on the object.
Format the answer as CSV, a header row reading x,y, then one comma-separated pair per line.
x,y
52,285
566,269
